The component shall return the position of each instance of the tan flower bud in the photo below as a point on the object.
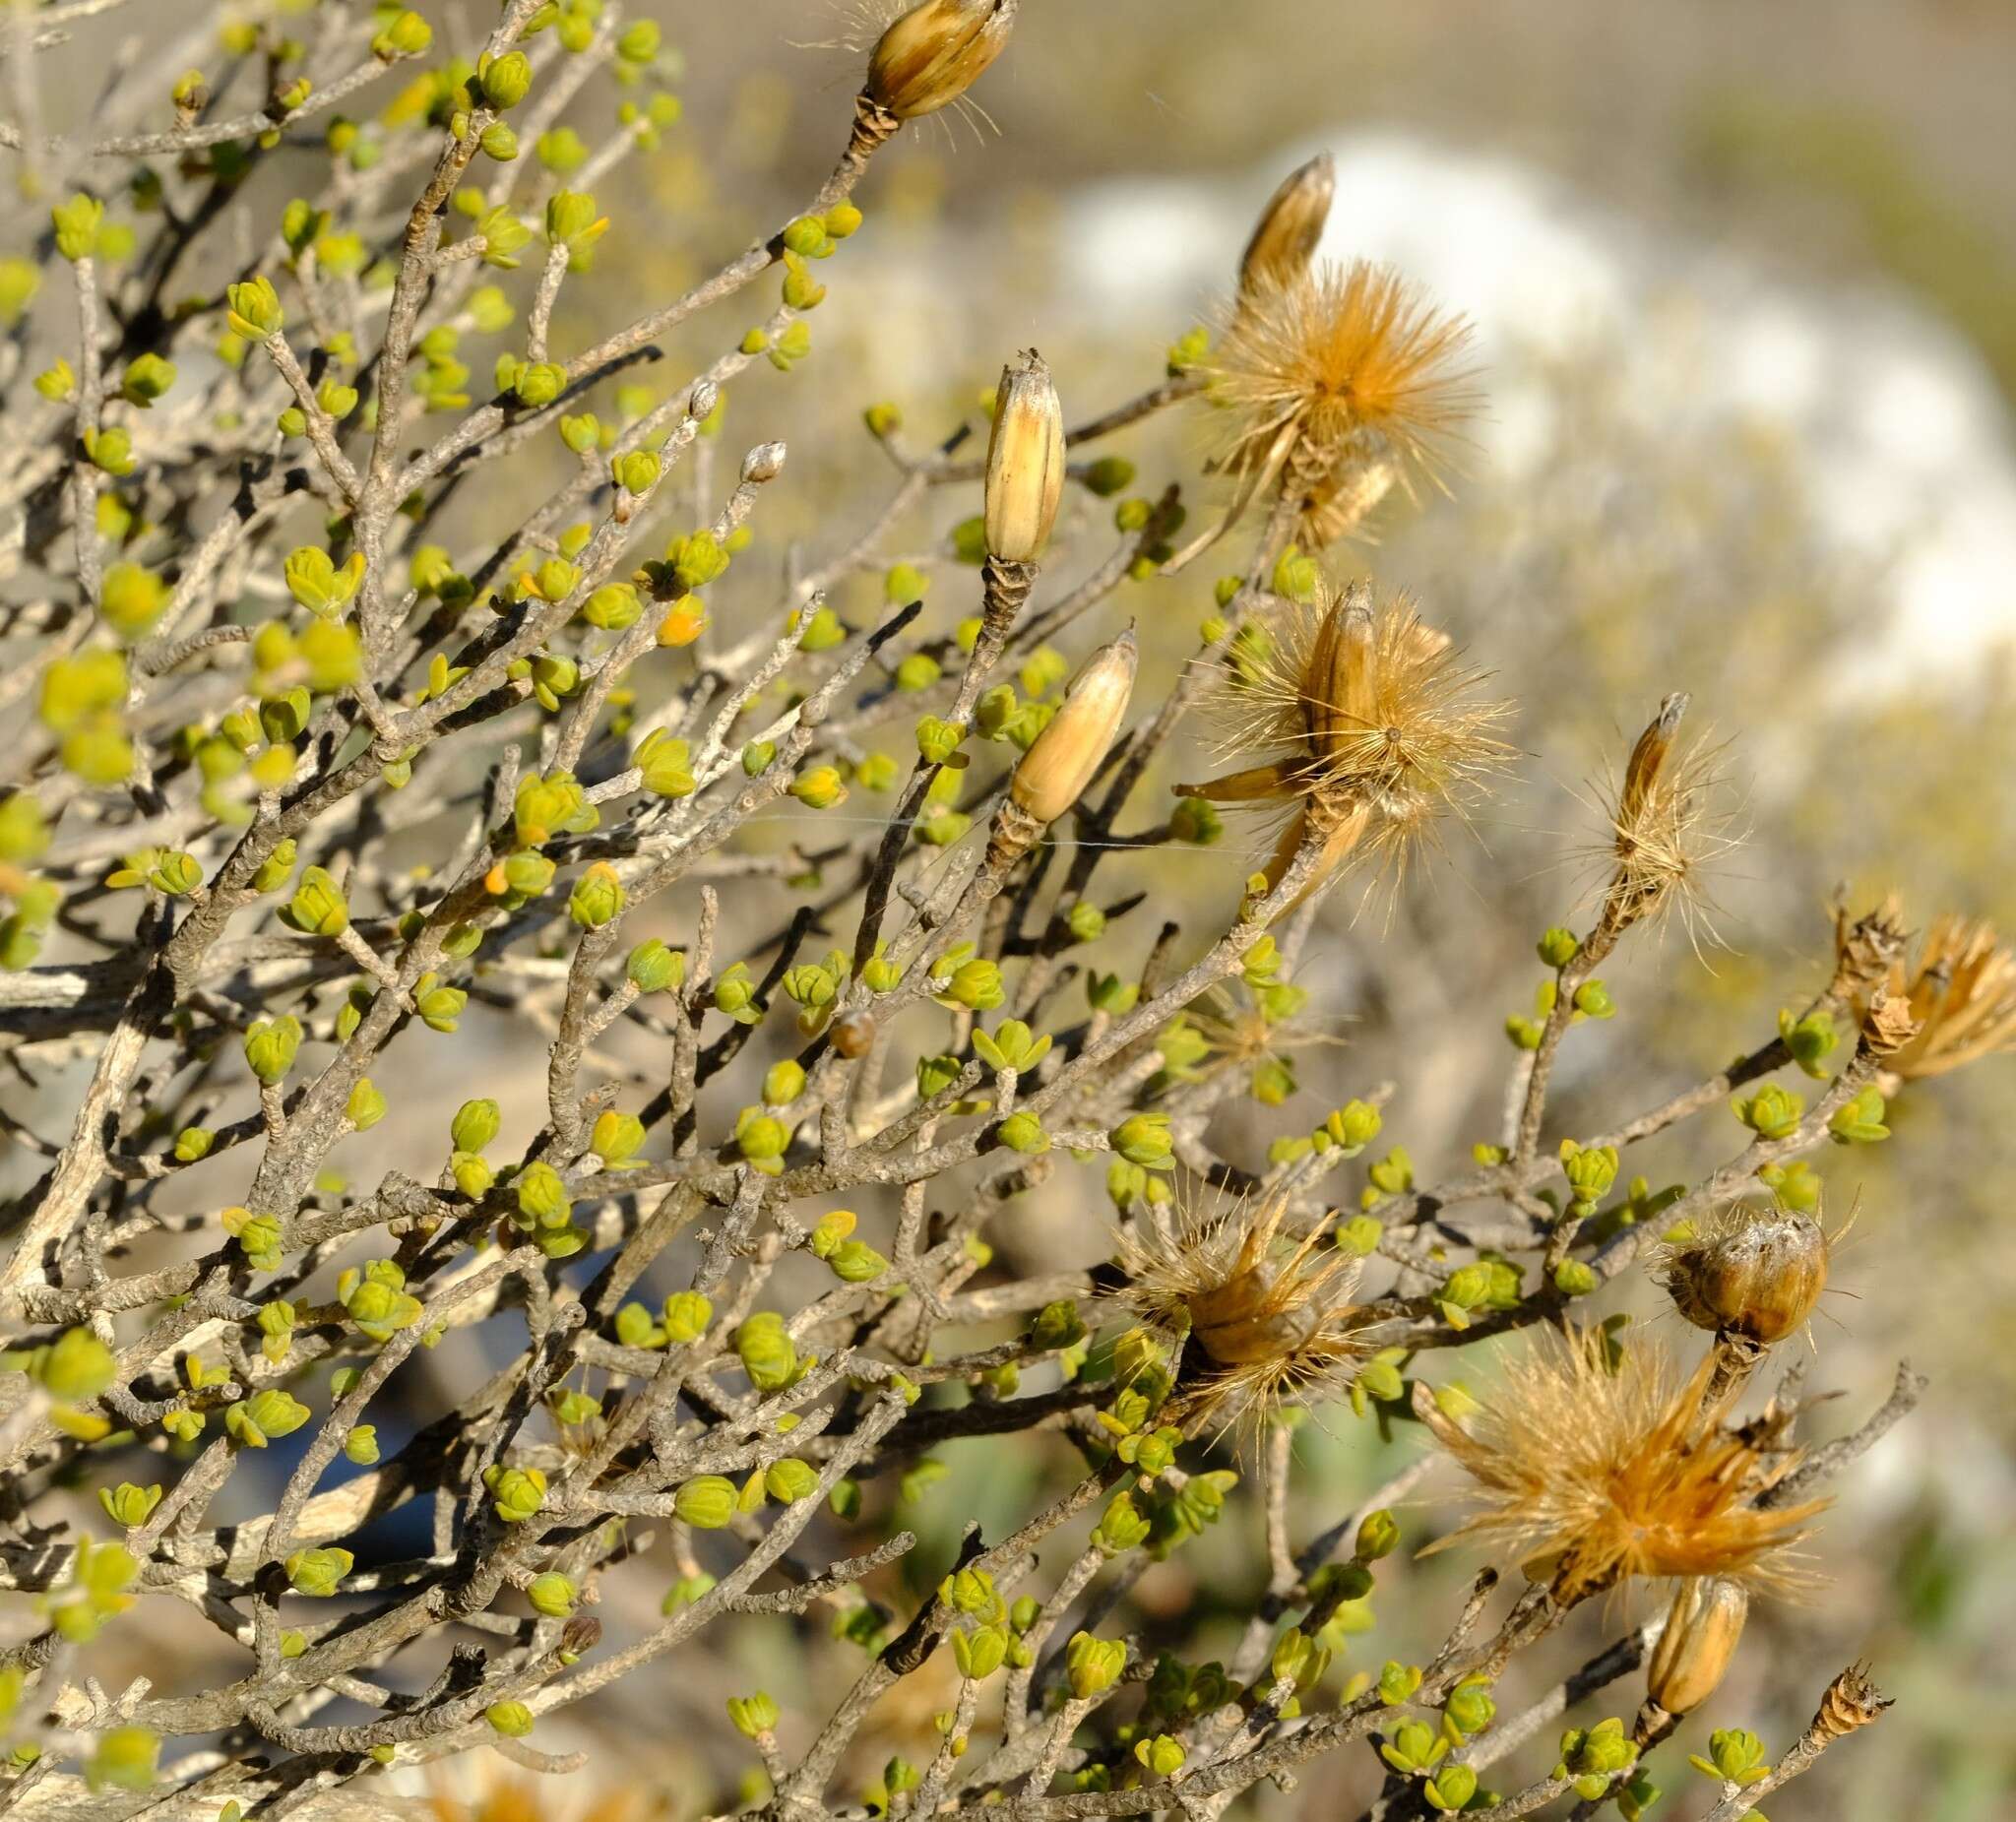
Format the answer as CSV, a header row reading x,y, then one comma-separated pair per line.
x,y
1024,461
1693,1653
1648,759
1070,750
935,52
1289,227
1749,1273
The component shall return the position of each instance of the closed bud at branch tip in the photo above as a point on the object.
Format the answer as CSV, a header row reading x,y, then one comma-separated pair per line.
x,y
1069,751
763,463
1290,227
1702,1629
935,52
1024,461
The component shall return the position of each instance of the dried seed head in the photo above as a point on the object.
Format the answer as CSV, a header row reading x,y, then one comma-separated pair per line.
x,y
1024,461
1290,227
1269,1321
1867,950
1961,993
1889,1026
1746,1270
935,52
1063,759
1589,1476
1332,372
1702,1629
1373,731
1666,825
1851,1703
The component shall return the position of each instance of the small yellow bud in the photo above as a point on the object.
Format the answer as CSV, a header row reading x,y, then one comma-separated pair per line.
x,y
1067,753
935,52
1024,461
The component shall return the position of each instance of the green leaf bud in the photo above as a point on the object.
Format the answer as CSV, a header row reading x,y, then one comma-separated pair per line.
x,y
687,1314
707,1502
542,1198
1094,1664
1144,1139
125,1758
768,1354
652,967
271,1045
1861,1120
516,1493
318,1572
360,1445
505,81
129,1505
365,1106
596,897
754,1715
552,1595
788,1480
476,1124
77,222
513,1719
1772,1113
254,1422
255,311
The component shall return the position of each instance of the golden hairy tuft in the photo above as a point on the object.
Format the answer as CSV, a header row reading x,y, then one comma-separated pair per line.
x,y
1668,825
1960,990
1266,1321
1589,1477
1371,726
1336,372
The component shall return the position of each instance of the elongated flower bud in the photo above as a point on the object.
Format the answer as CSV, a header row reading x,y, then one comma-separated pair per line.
x,y
1067,753
1024,461
1702,1630
935,52
1290,227
1648,759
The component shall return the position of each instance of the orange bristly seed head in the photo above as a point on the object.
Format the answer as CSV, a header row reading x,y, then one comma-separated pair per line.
x,y
1589,1477
1270,1320
1338,366
1371,728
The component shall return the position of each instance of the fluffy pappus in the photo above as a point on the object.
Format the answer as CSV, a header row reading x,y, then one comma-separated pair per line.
x,y
1374,728
1589,1478
1961,989
1267,1321
1333,373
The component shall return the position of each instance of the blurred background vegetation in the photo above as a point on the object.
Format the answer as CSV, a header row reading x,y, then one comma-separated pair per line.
x,y
1631,521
